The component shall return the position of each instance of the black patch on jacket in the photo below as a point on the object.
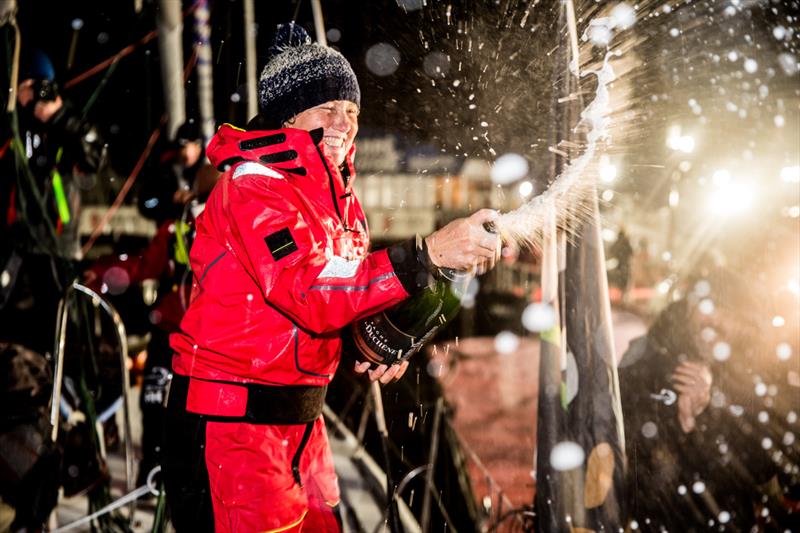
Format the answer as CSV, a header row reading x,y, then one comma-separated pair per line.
x,y
280,244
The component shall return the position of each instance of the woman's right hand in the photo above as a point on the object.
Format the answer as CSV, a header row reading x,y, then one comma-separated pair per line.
x,y
464,243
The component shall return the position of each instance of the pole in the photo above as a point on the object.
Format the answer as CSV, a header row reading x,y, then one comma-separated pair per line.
x,y
250,58
432,454
319,24
8,15
170,46
205,81
380,421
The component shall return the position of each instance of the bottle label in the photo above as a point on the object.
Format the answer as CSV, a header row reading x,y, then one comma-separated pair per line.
x,y
382,342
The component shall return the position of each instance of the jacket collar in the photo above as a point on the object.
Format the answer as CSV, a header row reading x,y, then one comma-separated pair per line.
x,y
287,150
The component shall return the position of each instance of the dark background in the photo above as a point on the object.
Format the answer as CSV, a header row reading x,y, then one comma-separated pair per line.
x,y
494,58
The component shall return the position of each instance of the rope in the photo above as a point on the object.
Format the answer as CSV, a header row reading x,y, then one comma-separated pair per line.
x,y
125,188
134,173
148,488
122,53
113,59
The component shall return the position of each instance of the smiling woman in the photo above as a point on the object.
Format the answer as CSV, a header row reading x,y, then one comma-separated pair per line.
x,y
283,262
339,122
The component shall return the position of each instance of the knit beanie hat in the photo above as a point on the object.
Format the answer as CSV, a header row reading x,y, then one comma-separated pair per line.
x,y
300,75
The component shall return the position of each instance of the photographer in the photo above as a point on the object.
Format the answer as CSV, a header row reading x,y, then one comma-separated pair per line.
x,y
50,155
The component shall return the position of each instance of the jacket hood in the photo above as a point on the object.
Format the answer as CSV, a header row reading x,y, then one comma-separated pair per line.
x,y
287,150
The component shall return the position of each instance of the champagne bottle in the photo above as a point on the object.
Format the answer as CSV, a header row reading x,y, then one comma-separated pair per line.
x,y
394,335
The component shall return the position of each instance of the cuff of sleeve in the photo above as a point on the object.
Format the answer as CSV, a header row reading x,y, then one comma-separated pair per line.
x,y
409,261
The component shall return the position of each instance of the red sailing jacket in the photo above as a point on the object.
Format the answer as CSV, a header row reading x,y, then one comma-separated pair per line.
x,y
280,263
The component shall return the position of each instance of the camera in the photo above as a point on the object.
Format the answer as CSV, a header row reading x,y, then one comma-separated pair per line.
x,y
44,90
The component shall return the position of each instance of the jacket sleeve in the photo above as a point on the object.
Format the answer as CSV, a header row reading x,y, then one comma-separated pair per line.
x,y
288,255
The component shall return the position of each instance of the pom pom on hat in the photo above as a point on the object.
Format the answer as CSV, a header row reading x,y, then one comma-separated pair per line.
x,y
300,75
287,36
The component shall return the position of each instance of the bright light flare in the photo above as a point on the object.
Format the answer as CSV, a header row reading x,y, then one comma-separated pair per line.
x,y
794,287
721,177
791,174
731,198
608,171
679,142
674,198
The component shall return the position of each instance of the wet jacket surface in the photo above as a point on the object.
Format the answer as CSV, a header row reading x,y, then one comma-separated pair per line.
x,y
280,263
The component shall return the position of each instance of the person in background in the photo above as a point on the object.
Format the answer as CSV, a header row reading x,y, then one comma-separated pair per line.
x,y
42,171
164,193
622,251
692,462
281,263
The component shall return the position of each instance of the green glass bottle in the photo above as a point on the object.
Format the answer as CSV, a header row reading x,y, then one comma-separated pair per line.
x,y
394,335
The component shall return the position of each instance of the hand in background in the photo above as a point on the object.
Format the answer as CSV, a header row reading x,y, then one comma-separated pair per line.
x,y
693,383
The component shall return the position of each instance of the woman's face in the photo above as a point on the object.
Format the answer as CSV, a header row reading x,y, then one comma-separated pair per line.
x,y
339,122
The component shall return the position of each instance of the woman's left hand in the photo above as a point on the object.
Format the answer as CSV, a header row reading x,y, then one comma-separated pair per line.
x,y
385,374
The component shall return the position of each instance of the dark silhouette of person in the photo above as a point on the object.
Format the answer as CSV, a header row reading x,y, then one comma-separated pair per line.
x,y
164,193
692,462
622,251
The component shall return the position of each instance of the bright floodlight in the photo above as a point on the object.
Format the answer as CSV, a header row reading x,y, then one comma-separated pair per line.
x,y
791,174
731,198
794,287
674,198
678,142
508,168
608,172
685,144
721,177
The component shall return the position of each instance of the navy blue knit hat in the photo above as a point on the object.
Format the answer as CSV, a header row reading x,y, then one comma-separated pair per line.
x,y
301,75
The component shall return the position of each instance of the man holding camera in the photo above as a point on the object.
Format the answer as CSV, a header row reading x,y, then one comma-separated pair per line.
x,y
46,160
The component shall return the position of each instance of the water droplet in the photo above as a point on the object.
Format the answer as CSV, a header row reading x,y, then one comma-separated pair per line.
x,y
783,351
706,306
566,456
382,59
722,351
506,342
509,168
538,317
649,430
